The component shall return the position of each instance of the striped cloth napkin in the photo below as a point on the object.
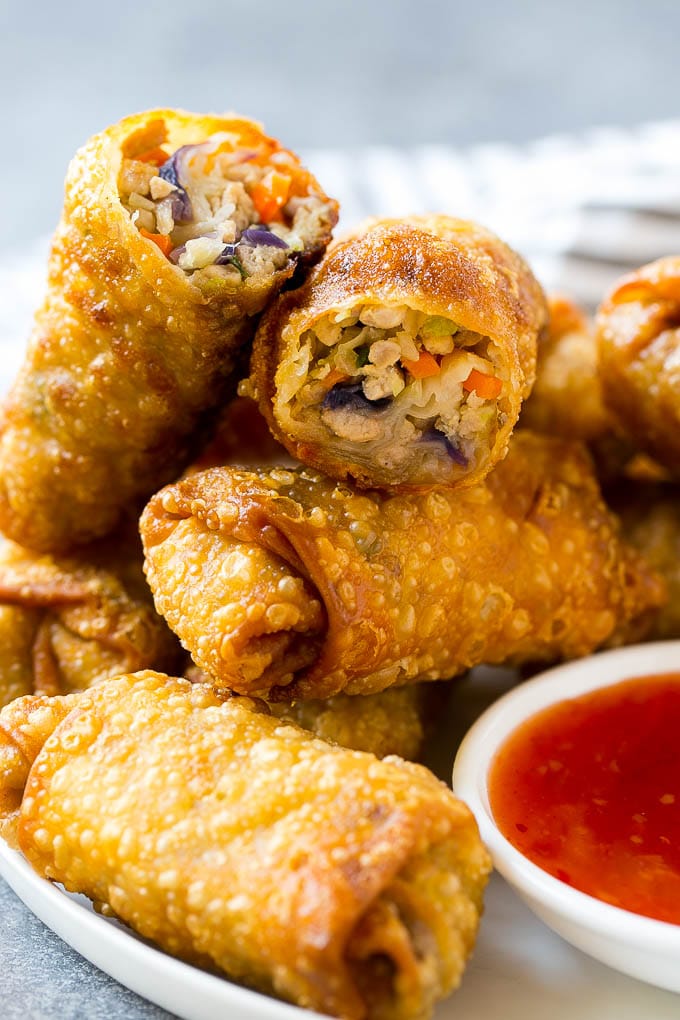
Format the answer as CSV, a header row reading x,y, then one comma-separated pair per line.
x,y
582,209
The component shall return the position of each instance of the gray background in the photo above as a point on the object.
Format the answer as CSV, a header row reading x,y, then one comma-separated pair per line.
x,y
321,74
318,74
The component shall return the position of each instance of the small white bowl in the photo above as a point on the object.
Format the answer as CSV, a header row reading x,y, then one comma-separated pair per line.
x,y
636,945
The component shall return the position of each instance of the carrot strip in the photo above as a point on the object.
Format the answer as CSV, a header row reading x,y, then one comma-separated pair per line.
x,y
162,240
270,194
425,366
485,386
333,377
157,156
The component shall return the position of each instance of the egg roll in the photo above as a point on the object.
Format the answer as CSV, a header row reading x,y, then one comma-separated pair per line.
x,y
567,399
241,437
403,361
650,516
240,843
176,230
395,721
639,350
67,623
287,585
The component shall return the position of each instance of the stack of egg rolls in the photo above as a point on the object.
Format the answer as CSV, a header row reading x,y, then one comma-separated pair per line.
x,y
374,525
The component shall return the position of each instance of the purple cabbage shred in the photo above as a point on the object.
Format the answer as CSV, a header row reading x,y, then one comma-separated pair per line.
x,y
262,236
182,211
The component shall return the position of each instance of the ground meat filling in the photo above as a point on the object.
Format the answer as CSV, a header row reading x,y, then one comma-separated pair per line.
x,y
229,212
390,377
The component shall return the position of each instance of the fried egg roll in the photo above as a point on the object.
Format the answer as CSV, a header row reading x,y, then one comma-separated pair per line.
x,y
287,585
567,399
395,721
567,396
237,842
68,623
403,361
639,349
176,230
650,515
241,437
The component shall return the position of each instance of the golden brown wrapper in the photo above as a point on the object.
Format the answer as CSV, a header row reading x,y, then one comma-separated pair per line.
x,y
567,398
395,721
235,841
67,623
650,516
433,264
639,340
288,585
241,437
128,353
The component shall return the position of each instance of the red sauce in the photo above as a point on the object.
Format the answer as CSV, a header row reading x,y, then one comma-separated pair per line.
x,y
589,790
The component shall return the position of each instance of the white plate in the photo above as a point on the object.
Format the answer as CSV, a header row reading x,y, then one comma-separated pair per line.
x,y
520,969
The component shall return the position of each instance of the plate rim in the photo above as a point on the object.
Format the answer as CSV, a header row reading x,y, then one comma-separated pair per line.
x,y
176,986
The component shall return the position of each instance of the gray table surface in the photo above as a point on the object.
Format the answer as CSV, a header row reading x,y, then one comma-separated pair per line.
x,y
318,74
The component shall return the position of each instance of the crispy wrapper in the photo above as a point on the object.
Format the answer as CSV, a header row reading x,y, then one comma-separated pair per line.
x,y
66,624
567,396
241,843
288,585
650,515
639,339
395,721
435,265
128,353
567,399
241,437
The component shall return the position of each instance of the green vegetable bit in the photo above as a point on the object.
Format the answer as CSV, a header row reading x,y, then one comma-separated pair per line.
x,y
236,262
362,355
437,325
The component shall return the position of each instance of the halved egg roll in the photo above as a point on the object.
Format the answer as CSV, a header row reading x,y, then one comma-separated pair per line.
x,y
403,361
285,584
67,623
639,349
177,228
237,842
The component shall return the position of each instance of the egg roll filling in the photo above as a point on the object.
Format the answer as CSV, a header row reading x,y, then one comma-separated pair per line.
x,y
228,212
404,953
393,379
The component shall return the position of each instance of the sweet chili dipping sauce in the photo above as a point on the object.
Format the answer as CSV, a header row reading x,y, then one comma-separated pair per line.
x,y
589,790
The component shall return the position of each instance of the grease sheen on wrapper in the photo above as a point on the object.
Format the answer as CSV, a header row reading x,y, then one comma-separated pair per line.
x,y
342,883
130,350
638,329
68,622
403,361
285,584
